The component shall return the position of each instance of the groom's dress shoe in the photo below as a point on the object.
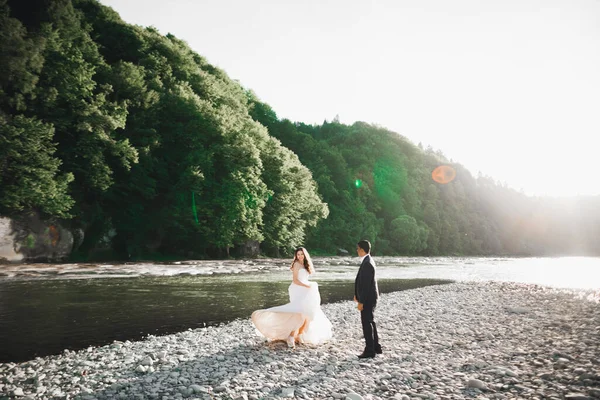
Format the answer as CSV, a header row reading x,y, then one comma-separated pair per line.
x,y
378,350
366,355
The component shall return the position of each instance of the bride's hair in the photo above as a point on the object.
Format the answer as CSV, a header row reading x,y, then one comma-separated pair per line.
x,y
308,264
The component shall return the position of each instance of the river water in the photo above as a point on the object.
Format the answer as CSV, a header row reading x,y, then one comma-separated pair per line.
x,y
46,308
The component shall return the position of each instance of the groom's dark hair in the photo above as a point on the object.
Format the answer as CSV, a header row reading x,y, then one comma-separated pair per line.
x,y
365,245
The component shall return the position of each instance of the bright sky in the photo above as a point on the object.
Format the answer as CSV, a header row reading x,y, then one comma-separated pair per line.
x,y
510,88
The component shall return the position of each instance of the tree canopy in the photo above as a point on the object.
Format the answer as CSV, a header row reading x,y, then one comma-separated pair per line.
x,y
135,140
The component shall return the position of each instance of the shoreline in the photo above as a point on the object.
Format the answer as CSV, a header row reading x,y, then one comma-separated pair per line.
x,y
454,341
138,269
571,272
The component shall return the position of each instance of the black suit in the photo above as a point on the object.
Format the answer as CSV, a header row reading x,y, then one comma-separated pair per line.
x,y
367,293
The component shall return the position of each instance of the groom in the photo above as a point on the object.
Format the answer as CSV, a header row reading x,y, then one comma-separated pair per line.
x,y
366,294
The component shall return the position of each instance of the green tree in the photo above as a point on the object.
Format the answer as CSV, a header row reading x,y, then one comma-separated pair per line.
x,y
29,174
405,235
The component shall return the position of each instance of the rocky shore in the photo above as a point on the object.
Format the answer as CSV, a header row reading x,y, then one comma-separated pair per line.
x,y
456,341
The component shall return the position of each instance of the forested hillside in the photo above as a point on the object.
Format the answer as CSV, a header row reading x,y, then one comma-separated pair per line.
x,y
379,185
137,142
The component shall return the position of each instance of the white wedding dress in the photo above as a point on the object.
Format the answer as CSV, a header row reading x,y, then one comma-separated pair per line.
x,y
276,323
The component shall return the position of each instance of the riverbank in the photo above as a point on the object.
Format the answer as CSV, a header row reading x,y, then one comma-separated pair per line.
x,y
131,269
462,340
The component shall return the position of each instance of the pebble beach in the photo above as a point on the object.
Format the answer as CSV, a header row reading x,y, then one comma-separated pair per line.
x,y
482,340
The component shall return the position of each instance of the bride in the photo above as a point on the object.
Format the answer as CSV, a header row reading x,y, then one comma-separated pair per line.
x,y
301,320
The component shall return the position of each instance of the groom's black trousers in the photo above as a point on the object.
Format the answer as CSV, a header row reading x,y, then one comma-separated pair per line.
x,y
369,328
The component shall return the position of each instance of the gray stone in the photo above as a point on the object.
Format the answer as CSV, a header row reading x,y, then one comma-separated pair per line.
x,y
577,396
354,396
476,383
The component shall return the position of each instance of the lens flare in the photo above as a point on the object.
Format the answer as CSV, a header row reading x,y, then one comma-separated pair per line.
x,y
358,183
443,174
194,207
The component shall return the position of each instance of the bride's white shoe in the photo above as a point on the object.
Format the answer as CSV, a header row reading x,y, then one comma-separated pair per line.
x,y
300,339
291,342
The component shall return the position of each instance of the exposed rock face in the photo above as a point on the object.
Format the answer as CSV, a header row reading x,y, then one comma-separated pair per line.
x,y
7,242
250,249
28,238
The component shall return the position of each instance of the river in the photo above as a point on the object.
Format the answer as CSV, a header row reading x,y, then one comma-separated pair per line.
x,y
46,308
